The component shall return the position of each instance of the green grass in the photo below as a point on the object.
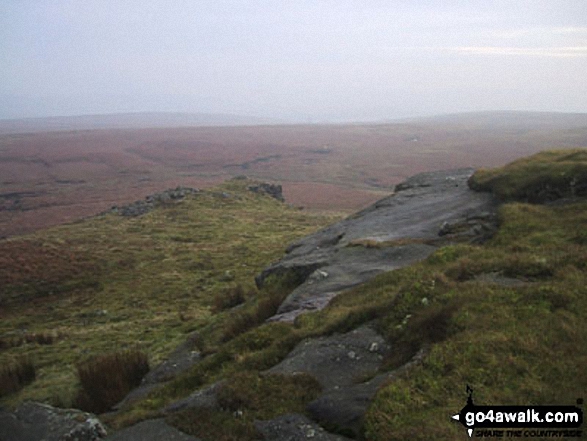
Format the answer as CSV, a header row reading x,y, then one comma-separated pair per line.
x,y
523,343
546,176
114,283
514,344
246,397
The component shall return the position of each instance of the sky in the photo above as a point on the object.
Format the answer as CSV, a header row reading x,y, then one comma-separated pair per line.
x,y
293,60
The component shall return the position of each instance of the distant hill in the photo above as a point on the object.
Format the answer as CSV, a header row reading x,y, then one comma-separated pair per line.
x,y
127,121
510,119
51,177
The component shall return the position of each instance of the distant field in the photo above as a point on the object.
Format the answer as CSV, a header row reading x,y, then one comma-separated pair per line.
x,y
50,178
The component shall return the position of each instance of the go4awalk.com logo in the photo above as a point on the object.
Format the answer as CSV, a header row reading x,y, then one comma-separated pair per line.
x,y
561,422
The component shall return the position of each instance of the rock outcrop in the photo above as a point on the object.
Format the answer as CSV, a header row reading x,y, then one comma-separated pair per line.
x,y
139,208
36,422
273,190
346,365
425,212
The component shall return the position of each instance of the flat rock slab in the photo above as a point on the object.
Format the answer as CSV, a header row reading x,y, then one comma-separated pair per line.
x,y
202,398
40,422
425,211
294,427
345,407
151,430
338,360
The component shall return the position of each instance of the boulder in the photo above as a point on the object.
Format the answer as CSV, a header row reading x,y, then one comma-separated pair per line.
x,y
40,422
338,360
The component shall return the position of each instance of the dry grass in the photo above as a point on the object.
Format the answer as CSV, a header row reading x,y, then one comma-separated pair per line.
x,y
229,298
14,376
107,379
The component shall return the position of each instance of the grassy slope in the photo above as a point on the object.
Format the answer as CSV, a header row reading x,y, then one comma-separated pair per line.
x,y
514,344
543,177
111,283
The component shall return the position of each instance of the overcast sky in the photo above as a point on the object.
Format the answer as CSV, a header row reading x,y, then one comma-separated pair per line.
x,y
307,60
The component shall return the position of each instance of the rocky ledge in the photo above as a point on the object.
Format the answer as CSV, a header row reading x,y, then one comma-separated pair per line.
x,y
425,212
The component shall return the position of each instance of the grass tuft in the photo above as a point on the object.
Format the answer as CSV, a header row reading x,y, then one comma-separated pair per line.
x,y
16,375
107,379
229,298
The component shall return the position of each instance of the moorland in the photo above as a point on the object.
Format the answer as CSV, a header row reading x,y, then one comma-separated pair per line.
x,y
503,315
51,177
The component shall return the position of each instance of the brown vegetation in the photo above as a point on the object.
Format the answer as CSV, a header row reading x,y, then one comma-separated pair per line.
x,y
107,379
229,298
16,375
52,178
35,269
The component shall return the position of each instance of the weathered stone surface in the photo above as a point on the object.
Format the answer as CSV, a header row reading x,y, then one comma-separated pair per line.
x,y
338,360
340,363
40,422
151,430
294,427
426,211
202,398
345,407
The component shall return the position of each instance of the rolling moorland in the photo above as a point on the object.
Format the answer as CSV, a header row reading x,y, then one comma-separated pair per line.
x,y
48,178
503,315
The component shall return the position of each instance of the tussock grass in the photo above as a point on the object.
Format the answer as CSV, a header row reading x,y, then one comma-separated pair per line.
x,y
264,307
107,379
229,298
15,375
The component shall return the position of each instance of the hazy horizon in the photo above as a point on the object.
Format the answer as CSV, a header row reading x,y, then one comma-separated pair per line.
x,y
303,61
